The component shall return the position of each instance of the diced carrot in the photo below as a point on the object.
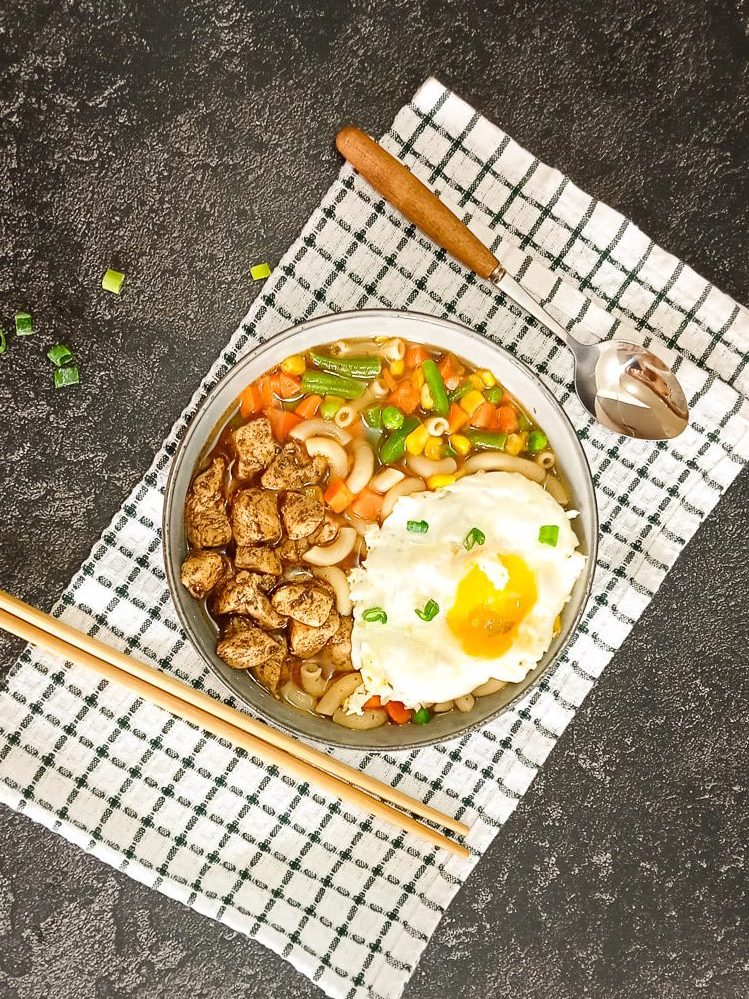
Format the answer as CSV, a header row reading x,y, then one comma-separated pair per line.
x,y
267,395
450,369
405,396
281,422
416,355
506,419
250,401
373,702
286,386
387,377
308,406
357,428
456,418
398,712
368,505
338,495
485,416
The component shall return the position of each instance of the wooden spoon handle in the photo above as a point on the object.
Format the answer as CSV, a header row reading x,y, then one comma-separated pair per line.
x,y
404,191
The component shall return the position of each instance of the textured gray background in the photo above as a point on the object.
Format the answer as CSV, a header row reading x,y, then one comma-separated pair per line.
x,y
185,141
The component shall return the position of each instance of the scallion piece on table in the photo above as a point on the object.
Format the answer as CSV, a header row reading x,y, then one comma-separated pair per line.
x,y
549,534
66,376
24,324
60,355
3,342
259,272
474,537
431,610
421,717
417,526
375,615
113,281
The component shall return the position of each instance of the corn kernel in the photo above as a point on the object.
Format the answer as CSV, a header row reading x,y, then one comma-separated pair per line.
x,y
438,481
294,365
476,380
417,378
397,368
460,444
471,402
425,398
515,443
417,439
487,378
433,449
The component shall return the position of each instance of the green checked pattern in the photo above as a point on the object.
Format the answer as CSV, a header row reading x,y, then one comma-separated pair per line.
x,y
349,901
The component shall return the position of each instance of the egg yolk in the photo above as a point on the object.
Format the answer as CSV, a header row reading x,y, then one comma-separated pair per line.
x,y
484,617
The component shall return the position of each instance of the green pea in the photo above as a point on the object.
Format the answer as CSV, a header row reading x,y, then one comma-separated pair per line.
x,y
392,418
421,717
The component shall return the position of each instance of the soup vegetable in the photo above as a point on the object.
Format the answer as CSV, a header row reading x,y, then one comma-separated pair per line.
x,y
321,448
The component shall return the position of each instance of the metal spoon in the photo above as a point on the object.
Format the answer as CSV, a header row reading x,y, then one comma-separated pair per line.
x,y
627,388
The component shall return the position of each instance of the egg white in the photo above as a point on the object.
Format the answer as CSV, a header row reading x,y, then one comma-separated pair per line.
x,y
421,662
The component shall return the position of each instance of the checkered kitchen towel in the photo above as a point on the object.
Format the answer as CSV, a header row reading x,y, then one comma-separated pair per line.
x,y
348,901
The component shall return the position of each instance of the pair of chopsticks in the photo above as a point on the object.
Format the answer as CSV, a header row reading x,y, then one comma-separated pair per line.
x,y
323,772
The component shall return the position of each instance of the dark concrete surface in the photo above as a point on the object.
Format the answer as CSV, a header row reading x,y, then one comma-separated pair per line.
x,y
183,141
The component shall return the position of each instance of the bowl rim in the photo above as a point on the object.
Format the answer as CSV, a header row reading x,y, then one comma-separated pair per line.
x,y
175,587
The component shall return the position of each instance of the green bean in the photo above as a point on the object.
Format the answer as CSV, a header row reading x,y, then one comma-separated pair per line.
x,y
352,367
324,383
373,417
463,389
394,446
437,390
490,439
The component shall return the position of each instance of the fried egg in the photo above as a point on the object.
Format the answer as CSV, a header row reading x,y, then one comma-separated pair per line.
x,y
472,596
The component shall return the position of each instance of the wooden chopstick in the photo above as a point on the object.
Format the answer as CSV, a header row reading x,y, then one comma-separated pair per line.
x,y
192,705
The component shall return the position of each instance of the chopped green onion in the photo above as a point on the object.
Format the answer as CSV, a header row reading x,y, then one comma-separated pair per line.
x,y
493,394
3,342
393,448
417,526
537,441
329,407
549,534
259,272
373,417
474,537
326,383
392,418
113,281
490,439
60,355
351,367
375,615
421,717
431,610
436,386
66,376
24,324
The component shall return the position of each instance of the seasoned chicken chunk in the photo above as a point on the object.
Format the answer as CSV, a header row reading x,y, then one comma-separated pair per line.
x,y
273,670
306,641
325,533
202,571
243,595
206,520
293,469
265,560
246,647
305,602
290,552
302,514
339,646
255,447
254,517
